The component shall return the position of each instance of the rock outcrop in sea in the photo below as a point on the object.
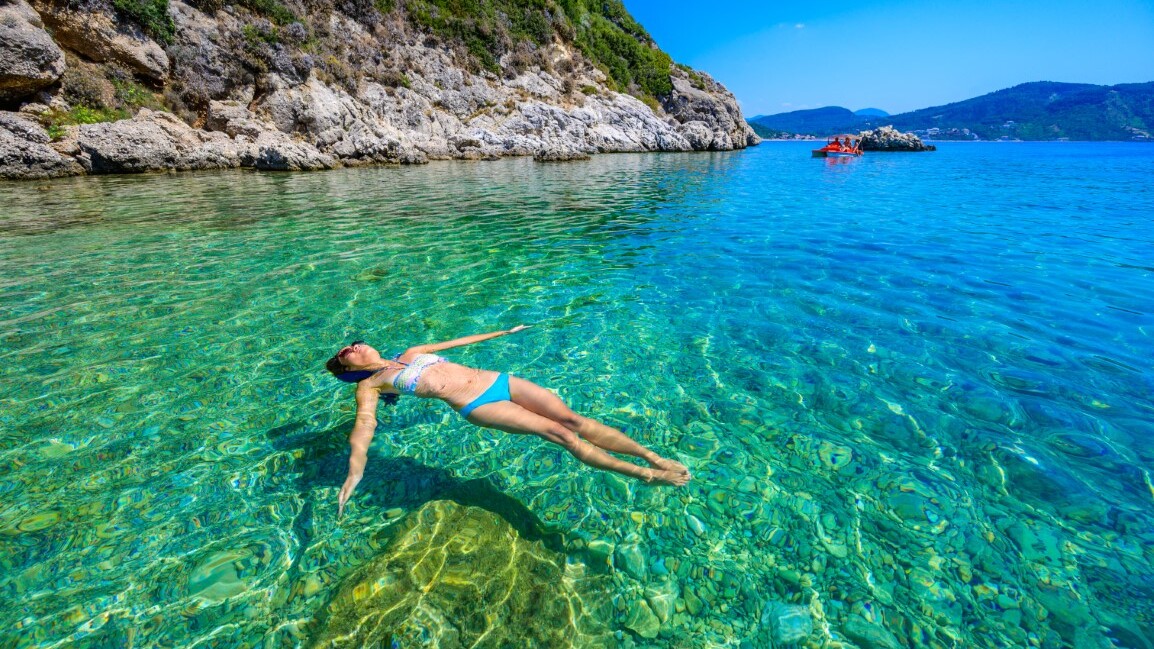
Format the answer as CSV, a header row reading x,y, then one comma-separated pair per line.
x,y
90,90
888,138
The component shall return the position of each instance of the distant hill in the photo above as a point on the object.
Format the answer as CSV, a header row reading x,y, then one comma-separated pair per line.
x,y
816,121
871,112
1042,110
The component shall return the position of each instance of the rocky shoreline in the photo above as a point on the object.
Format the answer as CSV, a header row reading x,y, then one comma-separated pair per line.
x,y
555,105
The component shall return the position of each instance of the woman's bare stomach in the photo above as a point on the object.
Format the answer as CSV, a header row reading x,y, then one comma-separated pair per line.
x,y
454,384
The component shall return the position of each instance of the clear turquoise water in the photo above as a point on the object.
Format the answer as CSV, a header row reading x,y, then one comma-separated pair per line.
x,y
914,390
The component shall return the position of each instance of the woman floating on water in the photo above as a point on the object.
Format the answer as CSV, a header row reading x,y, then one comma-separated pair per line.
x,y
484,398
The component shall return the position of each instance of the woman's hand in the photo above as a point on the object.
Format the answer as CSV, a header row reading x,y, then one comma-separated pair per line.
x,y
518,328
347,490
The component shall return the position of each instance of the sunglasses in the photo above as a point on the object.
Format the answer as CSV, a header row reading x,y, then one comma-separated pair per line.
x,y
348,350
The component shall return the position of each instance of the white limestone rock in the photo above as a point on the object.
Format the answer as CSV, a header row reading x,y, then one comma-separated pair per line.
x,y
25,152
888,138
275,151
155,141
698,100
199,54
99,37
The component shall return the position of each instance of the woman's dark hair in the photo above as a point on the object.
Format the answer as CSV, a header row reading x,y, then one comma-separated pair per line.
x,y
336,368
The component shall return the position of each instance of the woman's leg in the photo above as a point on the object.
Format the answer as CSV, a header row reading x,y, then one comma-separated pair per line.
x,y
538,400
512,418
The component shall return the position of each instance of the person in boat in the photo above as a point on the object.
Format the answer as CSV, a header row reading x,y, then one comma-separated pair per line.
x,y
484,398
836,146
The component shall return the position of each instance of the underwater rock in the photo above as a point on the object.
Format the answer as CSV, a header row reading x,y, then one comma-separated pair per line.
x,y
374,274
702,448
601,549
662,600
936,598
628,557
641,620
834,456
696,525
908,506
1066,608
1032,476
215,579
1126,633
693,603
787,623
463,575
1080,446
868,636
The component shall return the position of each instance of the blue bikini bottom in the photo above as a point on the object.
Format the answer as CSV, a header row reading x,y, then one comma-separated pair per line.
x,y
499,391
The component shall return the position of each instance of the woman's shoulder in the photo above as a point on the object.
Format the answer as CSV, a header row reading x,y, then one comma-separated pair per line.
x,y
380,381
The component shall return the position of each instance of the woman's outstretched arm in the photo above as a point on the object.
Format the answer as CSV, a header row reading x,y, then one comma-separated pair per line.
x,y
432,348
359,440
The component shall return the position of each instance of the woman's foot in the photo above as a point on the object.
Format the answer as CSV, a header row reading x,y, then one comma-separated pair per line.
x,y
666,477
665,464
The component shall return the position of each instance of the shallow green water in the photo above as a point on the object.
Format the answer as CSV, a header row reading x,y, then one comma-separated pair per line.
x,y
914,391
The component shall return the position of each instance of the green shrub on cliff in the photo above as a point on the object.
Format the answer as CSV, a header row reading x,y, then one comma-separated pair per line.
x,y
98,93
151,15
55,120
617,43
602,29
271,9
295,37
131,96
487,28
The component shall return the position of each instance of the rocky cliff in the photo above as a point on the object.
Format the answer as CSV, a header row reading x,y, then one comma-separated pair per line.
x,y
143,85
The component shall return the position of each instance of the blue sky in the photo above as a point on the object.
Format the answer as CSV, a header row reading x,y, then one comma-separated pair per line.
x,y
899,55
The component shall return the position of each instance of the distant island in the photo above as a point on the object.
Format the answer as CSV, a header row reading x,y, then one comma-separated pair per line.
x,y
816,121
1042,110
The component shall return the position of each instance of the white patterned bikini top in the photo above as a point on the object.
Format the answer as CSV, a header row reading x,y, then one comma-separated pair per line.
x,y
406,380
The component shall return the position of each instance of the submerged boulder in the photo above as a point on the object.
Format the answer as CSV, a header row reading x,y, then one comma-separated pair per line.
x,y
888,138
457,576
782,625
